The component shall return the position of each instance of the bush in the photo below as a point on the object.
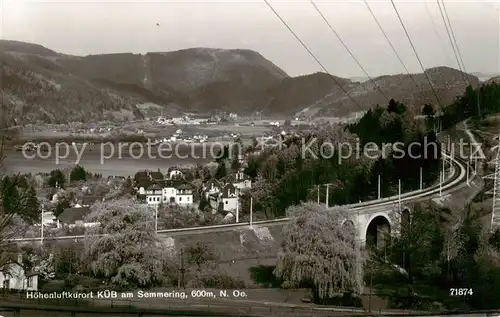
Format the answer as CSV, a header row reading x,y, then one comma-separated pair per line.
x,y
218,279
54,286
76,282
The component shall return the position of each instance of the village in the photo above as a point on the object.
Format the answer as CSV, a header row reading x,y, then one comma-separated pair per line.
x,y
152,188
62,200
155,189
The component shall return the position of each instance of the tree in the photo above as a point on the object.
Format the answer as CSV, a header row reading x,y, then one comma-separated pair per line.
x,y
10,207
57,178
128,182
61,205
428,110
203,202
200,254
67,257
420,242
393,106
320,251
129,254
43,266
31,207
10,193
78,173
235,164
221,171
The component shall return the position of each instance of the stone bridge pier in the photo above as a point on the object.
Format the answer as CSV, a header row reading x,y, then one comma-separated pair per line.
x,y
374,225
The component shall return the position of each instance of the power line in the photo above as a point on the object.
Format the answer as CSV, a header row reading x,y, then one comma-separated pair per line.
x,y
455,41
394,49
451,42
416,54
347,48
434,27
312,54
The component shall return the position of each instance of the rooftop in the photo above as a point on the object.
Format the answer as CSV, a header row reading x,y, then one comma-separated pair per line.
x,y
71,215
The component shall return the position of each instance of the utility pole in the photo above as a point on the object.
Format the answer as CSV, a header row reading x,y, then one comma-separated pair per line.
x,y
370,294
379,193
251,212
156,219
399,194
451,160
318,194
448,145
468,173
327,188
443,159
180,281
421,179
41,228
238,209
441,176
478,105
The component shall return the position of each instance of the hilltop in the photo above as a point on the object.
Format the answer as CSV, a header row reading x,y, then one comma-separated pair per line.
x,y
39,84
495,79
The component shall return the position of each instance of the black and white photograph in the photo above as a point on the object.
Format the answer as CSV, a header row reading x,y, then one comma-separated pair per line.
x,y
257,158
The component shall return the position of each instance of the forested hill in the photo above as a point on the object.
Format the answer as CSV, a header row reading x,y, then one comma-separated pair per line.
x,y
284,177
39,84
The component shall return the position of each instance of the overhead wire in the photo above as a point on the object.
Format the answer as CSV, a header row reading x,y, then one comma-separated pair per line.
x,y
455,41
435,28
312,55
416,54
348,50
440,40
451,42
394,49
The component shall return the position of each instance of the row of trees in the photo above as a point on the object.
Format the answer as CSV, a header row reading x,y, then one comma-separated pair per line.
x,y
58,179
476,103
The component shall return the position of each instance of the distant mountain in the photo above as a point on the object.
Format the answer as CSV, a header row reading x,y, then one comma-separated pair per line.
x,y
39,84
359,79
485,76
494,79
447,83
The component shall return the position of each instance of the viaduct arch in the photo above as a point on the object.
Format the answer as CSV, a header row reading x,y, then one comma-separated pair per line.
x,y
374,227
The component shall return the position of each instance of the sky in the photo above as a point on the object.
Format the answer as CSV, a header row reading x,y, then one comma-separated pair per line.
x,y
94,27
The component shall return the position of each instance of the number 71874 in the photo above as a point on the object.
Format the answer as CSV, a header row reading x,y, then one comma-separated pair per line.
x,y
460,291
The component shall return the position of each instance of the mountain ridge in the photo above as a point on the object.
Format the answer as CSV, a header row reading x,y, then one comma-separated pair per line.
x,y
39,84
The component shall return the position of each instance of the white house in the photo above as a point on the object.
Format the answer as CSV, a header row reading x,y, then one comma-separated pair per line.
x,y
175,174
48,218
242,181
14,277
230,197
169,192
175,191
212,187
154,194
184,194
